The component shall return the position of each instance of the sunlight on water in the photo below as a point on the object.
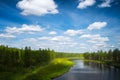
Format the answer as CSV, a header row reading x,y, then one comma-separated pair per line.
x,y
80,65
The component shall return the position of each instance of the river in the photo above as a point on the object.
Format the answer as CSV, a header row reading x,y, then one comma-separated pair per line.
x,y
90,71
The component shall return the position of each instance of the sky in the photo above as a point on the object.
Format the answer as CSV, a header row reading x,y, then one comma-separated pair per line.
x,y
63,25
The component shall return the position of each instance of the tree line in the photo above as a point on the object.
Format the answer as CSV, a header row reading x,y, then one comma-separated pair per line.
x,y
111,57
13,57
26,57
66,55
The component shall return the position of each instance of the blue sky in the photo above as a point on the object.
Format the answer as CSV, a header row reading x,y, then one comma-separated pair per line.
x,y
62,25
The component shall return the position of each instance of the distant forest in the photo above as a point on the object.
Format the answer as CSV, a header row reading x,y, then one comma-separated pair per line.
x,y
112,57
14,58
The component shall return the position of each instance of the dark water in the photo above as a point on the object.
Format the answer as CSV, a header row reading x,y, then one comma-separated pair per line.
x,y
90,71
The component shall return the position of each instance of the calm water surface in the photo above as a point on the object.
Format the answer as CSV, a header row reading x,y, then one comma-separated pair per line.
x,y
90,71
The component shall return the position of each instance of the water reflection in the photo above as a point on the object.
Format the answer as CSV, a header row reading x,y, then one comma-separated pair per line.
x,y
90,71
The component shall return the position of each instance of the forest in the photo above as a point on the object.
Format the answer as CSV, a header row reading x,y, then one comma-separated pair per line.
x,y
26,58
112,57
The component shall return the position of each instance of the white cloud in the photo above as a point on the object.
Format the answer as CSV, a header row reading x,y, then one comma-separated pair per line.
x,y
31,40
112,46
61,38
52,32
106,3
37,7
67,43
95,38
97,25
7,36
85,3
73,32
24,28
56,38
95,42
100,46
61,42
44,38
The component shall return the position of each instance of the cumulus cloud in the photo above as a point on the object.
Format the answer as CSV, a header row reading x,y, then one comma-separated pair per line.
x,y
68,43
71,32
7,36
96,41
52,32
95,38
112,46
44,38
37,7
85,3
56,38
31,40
58,41
61,38
106,3
97,25
24,28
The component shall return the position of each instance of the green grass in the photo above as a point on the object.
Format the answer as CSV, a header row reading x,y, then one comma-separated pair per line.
x,y
54,69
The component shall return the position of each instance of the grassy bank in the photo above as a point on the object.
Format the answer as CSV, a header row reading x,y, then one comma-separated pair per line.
x,y
54,69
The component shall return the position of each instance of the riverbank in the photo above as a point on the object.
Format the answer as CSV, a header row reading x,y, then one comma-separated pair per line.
x,y
90,71
107,63
54,69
